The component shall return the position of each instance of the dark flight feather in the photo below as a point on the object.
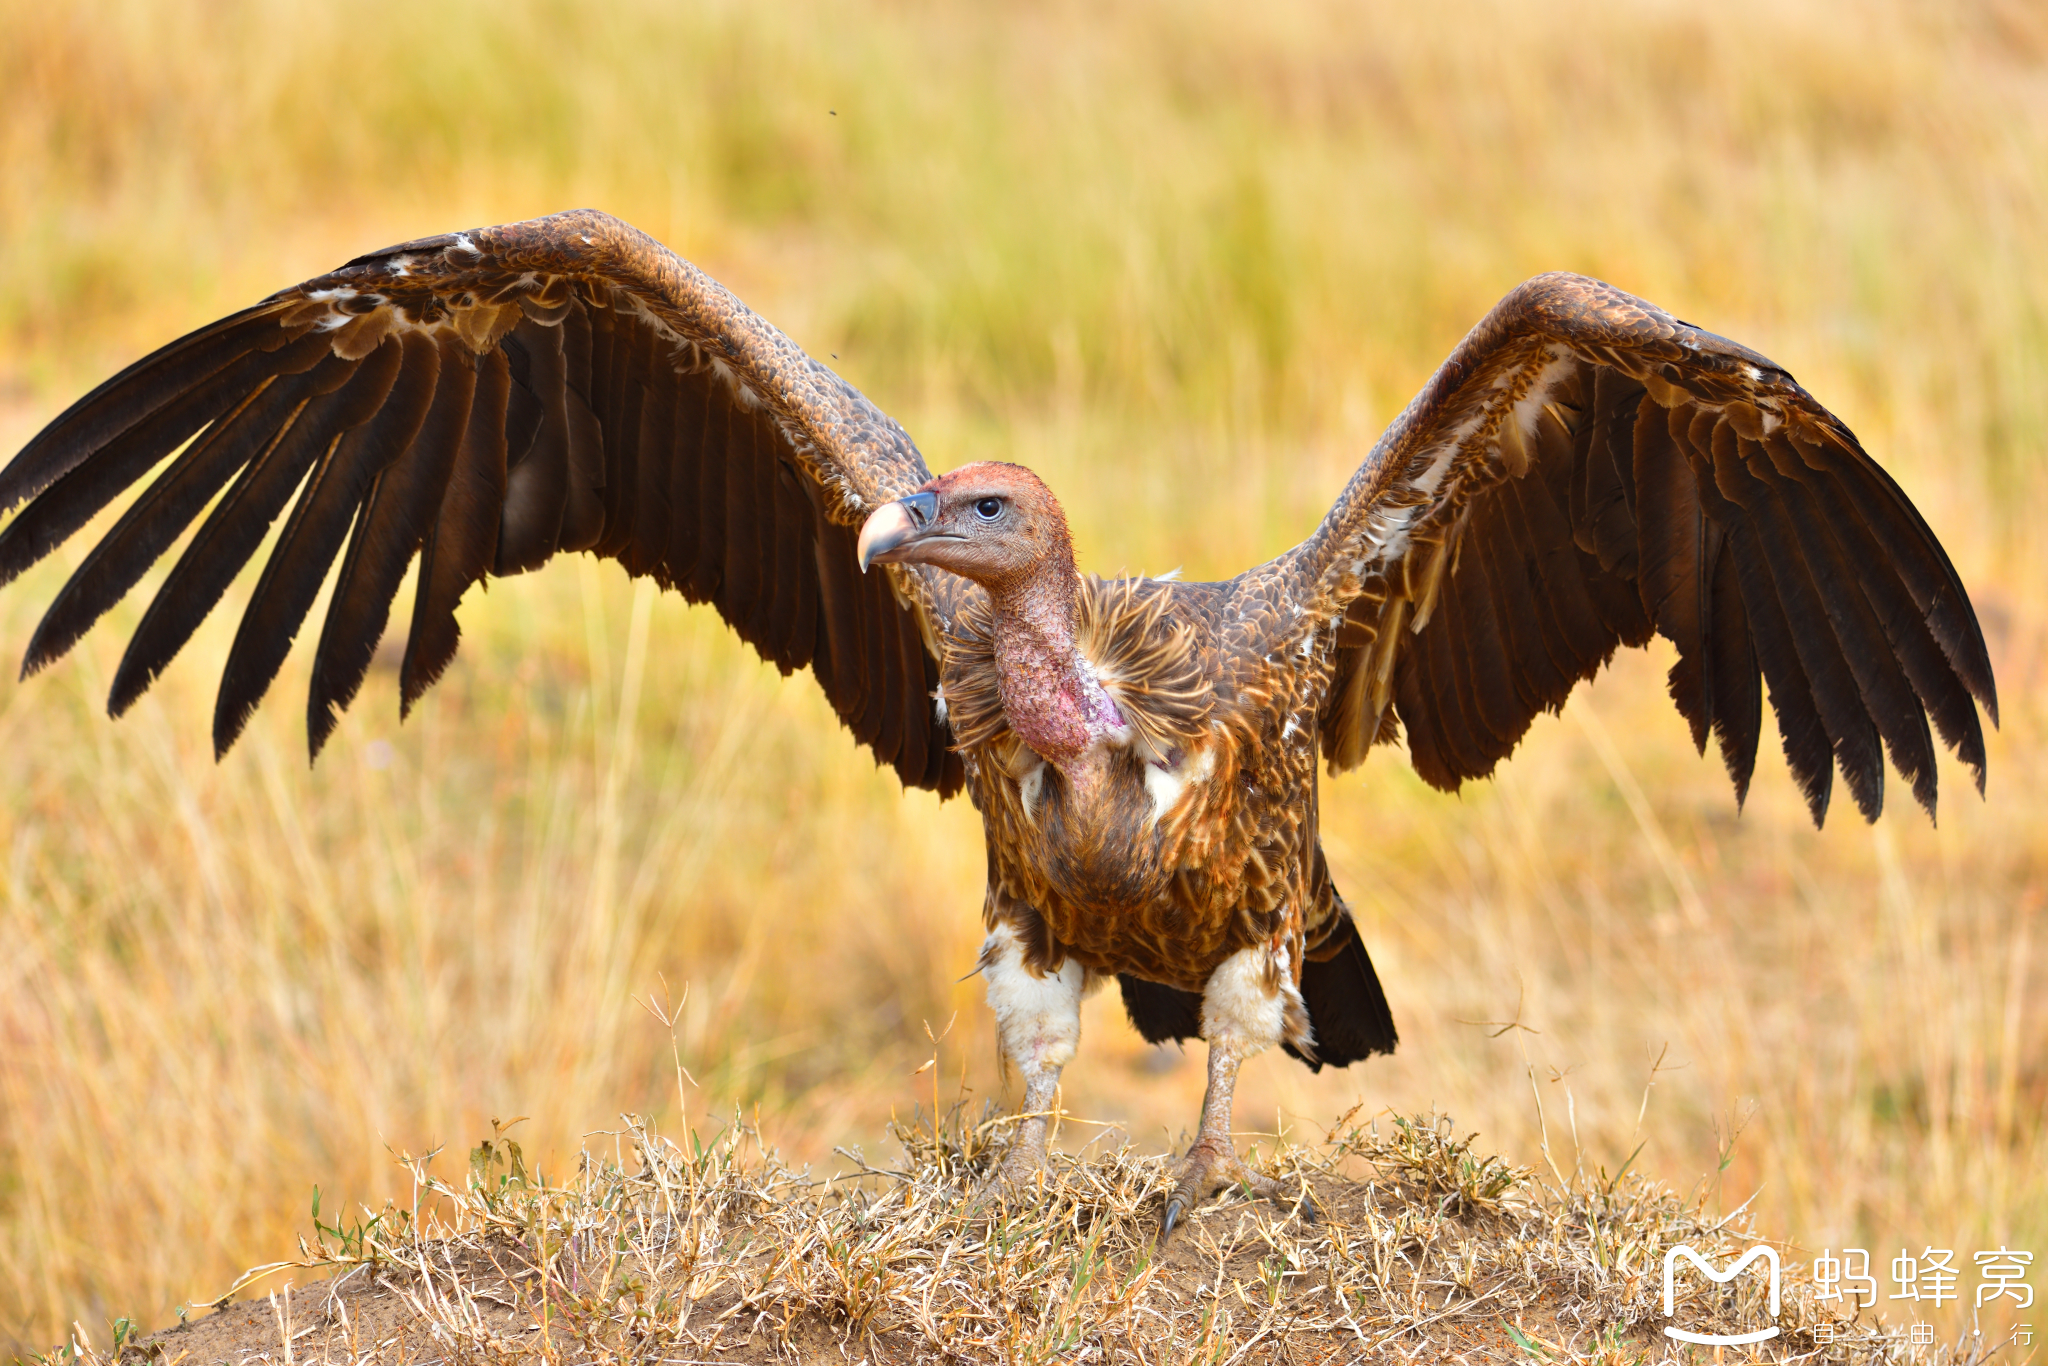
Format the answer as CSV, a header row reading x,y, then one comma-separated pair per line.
x,y
1670,563
343,393
137,393
1738,678
393,525
395,399
536,482
1632,474
1815,654
463,541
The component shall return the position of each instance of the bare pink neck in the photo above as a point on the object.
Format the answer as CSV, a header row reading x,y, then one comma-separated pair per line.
x,y
1050,694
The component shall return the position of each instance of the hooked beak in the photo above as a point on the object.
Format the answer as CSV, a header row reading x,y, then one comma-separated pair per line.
x,y
894,525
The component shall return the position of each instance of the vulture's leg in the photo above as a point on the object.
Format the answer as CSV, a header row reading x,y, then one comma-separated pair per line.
x,y
1249,1004
1039,1019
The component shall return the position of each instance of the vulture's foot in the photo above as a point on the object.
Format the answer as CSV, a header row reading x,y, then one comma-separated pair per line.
x,y
1019,1175
1017,1178
1211,1165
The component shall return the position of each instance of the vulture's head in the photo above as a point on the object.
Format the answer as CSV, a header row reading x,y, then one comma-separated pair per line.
x,y
994,523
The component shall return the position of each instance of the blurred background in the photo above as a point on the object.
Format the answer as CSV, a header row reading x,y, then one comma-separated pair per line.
x,y
1183,259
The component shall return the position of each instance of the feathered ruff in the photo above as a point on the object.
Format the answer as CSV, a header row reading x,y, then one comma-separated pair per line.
x,y
1144,659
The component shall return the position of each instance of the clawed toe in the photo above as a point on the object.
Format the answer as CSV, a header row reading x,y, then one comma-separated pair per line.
x,y
1209,1168
1172,1216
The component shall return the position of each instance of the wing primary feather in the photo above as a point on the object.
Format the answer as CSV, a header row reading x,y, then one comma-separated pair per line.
x,y
1565,600
237,525
1459,730
394,522
1808,751
604,324
155,520
1475,741
1910,547
774,592
100,476
1930,669
1737,683
464,540
135,394
1668,482
766,507
1851,729
630,336
625,409
1616,602
620,468
1872,655
578,341
523,411
396,383
1549,664
585,523
803,545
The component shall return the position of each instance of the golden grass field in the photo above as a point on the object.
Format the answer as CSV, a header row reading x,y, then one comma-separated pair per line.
x,y
1185,260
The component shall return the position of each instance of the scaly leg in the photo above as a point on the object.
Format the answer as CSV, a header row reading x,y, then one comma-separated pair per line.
x,y
1039,1021
1245,1008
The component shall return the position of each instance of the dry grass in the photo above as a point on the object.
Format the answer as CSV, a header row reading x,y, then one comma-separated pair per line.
x,y
701,1252
1183,260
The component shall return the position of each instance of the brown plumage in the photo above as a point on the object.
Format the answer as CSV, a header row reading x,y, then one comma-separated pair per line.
x,y
1582,473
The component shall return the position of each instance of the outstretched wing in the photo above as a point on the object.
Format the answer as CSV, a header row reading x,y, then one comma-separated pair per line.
x,y
1586,470
487,400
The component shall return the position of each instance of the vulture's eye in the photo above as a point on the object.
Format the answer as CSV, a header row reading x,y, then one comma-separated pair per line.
x,y
988,509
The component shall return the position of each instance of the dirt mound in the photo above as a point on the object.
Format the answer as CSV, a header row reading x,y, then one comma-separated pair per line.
x,y
1416,1249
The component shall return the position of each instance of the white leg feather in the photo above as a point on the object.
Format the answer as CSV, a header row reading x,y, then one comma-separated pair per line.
x,y
1249,1004
1039,1021
1240,1006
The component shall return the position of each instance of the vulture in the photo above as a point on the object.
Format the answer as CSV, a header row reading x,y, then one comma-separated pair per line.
x,y
1584,471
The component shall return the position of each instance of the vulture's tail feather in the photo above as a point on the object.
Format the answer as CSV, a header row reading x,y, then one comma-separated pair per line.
x,y
1346,1006
1161,1014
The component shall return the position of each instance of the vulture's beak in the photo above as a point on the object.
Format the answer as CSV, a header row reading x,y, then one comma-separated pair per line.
x,y
894,525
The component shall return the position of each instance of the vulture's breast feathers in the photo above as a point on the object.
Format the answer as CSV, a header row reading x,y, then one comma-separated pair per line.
x,y
1156,779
